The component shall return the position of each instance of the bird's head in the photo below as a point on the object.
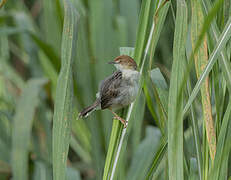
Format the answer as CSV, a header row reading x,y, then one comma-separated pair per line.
x,y
124,62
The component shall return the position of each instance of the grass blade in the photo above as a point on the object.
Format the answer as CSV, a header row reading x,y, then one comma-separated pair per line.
x,y
175,106
114,140
214,34
63,112
201,59
223,39
223,148
22,125
142,30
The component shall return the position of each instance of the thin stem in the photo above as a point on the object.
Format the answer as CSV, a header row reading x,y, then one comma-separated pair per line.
x,y
121,142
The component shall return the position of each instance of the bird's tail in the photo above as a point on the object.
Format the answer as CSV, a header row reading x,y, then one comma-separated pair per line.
x,y
88,110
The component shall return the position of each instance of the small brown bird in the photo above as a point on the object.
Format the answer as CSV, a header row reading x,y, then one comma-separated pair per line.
x,y
118,90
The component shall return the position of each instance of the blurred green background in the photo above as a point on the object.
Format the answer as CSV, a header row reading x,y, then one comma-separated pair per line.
x,y
32,46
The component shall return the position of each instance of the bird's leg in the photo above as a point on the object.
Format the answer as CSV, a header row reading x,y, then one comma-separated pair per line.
x,y
116,116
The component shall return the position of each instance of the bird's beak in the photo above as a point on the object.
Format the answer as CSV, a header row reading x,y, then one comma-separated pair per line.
x,y
112,62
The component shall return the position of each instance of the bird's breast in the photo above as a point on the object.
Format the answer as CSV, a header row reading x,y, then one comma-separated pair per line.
x,y
130,87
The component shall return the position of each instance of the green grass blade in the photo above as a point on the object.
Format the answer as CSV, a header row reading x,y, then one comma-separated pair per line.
x,y
175,106
114,140
224,37
211,15
63,111
22,125
142,30
159,18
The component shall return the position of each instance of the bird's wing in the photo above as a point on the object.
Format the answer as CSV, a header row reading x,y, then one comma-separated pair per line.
x,y
109,89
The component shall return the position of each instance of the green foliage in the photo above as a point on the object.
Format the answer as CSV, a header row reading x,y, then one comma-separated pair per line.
x,y
48,75
21,127
63,107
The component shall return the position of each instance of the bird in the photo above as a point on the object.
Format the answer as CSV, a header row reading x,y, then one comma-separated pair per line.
x,y
117,90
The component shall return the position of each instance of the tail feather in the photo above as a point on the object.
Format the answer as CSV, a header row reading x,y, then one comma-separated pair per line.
x,y
86,111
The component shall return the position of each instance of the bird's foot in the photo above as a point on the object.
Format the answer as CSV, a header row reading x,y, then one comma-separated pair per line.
x,y
123,121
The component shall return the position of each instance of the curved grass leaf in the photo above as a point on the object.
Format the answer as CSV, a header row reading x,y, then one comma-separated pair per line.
x,y
63,109
214,34
201,59
22,125
211,15
224,37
